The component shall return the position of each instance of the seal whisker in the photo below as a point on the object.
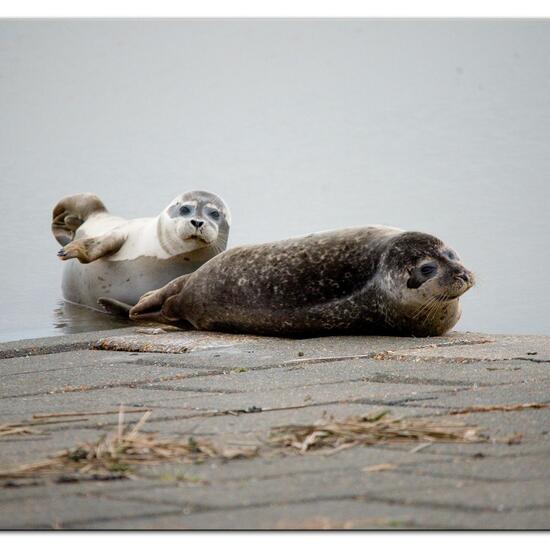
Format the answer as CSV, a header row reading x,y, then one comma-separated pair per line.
x,y
439,302
424,307
433,310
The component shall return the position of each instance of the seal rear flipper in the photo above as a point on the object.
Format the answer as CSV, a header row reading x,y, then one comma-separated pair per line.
x,y
115,307
71,212
148,310
151,306
172,310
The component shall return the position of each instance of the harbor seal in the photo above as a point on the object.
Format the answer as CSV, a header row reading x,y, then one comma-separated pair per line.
x,y
369,280
119,259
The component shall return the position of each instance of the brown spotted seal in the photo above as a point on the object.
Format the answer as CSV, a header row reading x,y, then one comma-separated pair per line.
x,y
121,259
369,280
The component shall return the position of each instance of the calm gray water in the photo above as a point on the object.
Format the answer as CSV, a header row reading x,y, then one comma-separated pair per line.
x,y
438,126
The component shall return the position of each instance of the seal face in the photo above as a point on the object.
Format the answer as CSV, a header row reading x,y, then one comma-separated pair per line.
x,y
370,280
120,259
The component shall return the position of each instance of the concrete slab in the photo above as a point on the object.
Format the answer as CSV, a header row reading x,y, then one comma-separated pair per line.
x,y
177,341
501,469
509,394
57,511
56,344
527,348
471,374
496,496
18,450
276,466
255,425
201,383
77,371
192,341
369,395
81,400
323,485
333,514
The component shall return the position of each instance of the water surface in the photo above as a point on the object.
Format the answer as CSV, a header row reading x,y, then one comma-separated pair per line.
x,y
439,126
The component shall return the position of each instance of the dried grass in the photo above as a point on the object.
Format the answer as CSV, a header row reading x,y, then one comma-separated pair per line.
x,y
42,417
28,427
18,429
332,435
501,408
119,452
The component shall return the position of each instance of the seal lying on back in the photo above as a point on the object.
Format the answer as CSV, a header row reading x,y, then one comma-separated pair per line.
x,y
121,259
370,280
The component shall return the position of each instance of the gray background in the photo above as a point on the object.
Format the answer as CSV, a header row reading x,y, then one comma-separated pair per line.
x,y
440,126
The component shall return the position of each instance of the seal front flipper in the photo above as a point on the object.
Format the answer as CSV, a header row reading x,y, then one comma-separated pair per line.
x,y
150,305
93,248
71,212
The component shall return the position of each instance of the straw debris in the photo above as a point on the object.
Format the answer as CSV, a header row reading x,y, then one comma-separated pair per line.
x,y
501,408
18,429
28,427
116,455
331,435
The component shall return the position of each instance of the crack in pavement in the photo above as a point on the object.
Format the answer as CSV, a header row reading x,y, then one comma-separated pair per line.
x,y
369,497
56,348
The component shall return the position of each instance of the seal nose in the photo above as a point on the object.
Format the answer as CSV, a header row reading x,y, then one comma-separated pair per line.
x,y
464,276
197,223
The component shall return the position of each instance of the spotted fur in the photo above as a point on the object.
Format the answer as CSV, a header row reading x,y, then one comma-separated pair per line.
x,y
346,281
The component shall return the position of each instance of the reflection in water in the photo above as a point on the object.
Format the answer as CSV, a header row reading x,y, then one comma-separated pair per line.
x,y
71,318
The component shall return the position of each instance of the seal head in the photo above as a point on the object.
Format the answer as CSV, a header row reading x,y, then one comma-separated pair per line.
x,y
423,279
194,220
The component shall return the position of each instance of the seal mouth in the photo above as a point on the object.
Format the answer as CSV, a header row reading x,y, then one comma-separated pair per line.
x,y
198,237
195,237
454,292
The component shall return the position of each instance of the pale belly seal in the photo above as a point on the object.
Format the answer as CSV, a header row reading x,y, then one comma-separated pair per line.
x,y
119,259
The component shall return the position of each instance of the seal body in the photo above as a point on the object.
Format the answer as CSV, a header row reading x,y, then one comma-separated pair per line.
x,y
122,259
370,280
125,280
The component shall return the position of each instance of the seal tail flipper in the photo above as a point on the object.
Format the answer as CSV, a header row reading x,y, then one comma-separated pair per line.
x,y
115,307
71,212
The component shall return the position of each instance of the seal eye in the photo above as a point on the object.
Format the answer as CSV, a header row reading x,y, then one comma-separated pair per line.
x,y
185,210
428,270
215,214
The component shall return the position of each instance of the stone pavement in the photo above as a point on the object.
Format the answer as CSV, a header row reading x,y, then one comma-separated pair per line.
x,y
234,389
